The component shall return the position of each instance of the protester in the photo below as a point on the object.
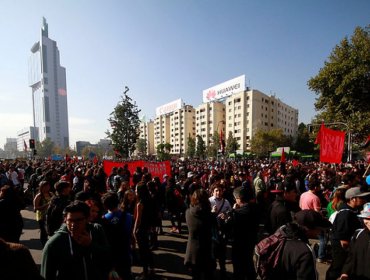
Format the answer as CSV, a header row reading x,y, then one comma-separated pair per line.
x,y
78,250
220,206
283,208
11,223
345,224
54,213
297,260
244,219
142,227
357,263
17,262
118,228
198,256
40,206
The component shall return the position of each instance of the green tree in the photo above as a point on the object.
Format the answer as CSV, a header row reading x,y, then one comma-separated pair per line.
x,y
264,142
214,146
124,122
303,142
232,144
190,152
343,83
45,148
141,147
201,148
163,151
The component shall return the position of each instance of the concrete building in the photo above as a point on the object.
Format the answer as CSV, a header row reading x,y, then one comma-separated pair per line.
x,y
161,130
47,78
174,123
24,136
182,125
10,145
147,133
80,145
210,117
251,110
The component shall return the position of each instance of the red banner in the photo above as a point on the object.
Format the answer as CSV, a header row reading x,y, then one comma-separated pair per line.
x,y
331,145
155,168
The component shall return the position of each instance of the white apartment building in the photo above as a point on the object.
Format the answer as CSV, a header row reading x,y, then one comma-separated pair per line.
x,y
209,117
174,123
249,111
147,133
182,125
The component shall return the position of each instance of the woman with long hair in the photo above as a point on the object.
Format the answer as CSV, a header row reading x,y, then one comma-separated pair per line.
x,y
143,217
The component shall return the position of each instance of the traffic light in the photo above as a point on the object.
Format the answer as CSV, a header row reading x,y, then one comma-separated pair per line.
x,y
32,143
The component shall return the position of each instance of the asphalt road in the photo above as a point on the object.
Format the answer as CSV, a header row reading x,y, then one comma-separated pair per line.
x,y
168,259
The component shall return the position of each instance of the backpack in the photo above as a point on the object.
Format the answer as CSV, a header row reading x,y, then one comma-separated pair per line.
x,y
268,252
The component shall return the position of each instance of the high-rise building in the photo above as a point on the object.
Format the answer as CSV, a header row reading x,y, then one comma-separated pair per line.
x,y
47,78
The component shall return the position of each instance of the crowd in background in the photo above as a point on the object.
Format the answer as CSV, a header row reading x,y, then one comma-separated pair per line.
x,y
92,223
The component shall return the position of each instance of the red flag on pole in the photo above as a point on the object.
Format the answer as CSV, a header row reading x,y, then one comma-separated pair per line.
x,y
331,145
282,158
25,145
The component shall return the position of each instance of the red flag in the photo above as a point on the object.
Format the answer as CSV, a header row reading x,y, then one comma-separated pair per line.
x,y
25,145
282,159
295,162
222,142
318,137
95,160
331,145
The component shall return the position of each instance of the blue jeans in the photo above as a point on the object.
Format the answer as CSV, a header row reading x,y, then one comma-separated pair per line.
x,y
322,245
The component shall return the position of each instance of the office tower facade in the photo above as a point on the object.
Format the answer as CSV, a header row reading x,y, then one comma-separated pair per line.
x,y
47,79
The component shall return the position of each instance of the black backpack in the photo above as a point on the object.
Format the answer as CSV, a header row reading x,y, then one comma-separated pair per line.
x,y
268,252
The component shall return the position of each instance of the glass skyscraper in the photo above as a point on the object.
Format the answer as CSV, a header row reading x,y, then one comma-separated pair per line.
x,y
47,78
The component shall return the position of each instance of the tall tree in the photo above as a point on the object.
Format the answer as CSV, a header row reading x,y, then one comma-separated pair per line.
x,y
201,148
141,147
303,142
343,84
163,151
190,152
124,122
264,142
232,144
214,147
45,148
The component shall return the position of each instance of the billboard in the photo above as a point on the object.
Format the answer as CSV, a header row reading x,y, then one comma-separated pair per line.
x,y
169,107
224,89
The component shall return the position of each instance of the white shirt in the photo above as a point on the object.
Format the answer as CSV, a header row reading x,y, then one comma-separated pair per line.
x,y
218,202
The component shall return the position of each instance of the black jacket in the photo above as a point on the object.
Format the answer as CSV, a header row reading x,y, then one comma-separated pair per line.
x,y
280,213
297,260
357,263
345,224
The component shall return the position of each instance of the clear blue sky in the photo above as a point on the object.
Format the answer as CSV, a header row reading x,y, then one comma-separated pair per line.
x,y
168,49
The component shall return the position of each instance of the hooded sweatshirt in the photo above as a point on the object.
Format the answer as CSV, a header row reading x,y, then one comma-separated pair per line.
x,y
63,258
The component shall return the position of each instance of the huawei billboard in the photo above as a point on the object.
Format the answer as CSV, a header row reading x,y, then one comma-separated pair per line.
x,y
224,89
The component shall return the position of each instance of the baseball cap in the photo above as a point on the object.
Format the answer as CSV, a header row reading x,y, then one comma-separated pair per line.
x,y
165,176
190,174
311,219
365,213
355,192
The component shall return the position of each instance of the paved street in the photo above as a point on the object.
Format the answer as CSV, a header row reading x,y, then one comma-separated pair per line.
x,y
168,258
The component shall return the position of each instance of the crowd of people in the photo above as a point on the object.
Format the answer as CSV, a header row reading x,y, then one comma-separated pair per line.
x,y
93,224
